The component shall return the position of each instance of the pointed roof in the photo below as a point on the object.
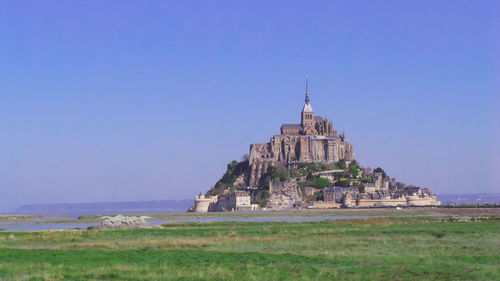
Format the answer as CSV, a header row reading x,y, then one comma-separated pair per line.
x,y
307,106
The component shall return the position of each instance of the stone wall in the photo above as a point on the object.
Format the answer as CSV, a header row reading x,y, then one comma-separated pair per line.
x,y
251,207
381,202
309,191
238,200
260,152
326,205
415,201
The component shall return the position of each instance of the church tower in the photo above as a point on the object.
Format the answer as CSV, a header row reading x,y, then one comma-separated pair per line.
x,y
307,119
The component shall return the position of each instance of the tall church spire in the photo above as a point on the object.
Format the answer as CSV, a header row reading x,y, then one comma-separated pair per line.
x,y
307,116
307,91
307,106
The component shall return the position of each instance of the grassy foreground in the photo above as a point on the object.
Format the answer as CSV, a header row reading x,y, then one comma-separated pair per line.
x,y
413,248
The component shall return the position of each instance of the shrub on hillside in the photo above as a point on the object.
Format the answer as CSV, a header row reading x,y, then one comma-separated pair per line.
x,y
354,171
341,164
320,183
319,196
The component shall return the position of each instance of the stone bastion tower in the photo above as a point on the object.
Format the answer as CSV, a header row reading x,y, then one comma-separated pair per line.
x,y
313,140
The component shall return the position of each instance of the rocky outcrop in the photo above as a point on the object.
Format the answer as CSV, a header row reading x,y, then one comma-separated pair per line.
x,y
236,177
125,222
286,196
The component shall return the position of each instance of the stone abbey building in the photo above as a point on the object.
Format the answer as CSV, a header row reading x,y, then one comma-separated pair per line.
x,y
313,140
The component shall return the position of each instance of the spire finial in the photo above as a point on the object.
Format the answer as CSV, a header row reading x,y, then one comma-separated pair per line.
x,y
307,90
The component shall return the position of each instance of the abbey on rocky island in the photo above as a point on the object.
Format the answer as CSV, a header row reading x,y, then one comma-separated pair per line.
x,y
308,165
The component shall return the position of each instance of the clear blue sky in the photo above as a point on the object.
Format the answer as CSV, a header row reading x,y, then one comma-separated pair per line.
x,y
149,100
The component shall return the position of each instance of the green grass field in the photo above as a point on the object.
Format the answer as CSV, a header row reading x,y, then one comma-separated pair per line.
x,y
399,248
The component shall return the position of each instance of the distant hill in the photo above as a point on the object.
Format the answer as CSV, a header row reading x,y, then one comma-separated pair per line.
x,y
469,198
76,209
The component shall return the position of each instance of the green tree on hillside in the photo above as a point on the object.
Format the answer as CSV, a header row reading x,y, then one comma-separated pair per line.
x,y
262,202
354,171
380,170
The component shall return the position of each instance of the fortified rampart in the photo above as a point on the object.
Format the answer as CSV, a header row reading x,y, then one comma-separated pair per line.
x,y
203,203
416,201
390,202
238,200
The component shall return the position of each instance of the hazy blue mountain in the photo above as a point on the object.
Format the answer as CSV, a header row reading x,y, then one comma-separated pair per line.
x,y
469,198
129,207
